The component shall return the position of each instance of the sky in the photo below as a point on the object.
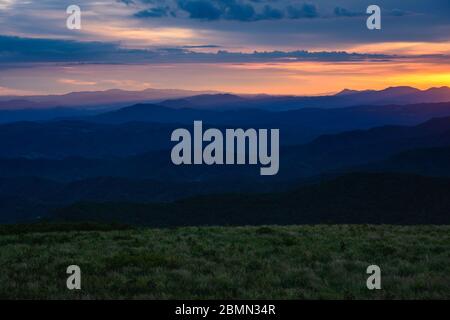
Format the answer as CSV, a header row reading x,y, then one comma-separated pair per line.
x,y
241,46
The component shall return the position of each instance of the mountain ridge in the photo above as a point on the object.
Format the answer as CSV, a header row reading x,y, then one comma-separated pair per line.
x,y
212,99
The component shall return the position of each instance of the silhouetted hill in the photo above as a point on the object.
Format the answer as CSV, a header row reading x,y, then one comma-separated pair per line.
x,y
44,114
327,153
73,161
94,98
354,198
336,152
208,101
297,126
427,161
118,133
60,139
151,113
27,198
391,94
362,115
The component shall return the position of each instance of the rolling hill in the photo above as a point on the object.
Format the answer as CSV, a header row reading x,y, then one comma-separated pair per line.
x,y
77,151
350,199
144,128
426,161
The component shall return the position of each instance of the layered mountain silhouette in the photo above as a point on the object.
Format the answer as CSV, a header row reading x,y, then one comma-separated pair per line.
x,y
178,99
62,139
376,198
353,198
342,118
143,128
44,114
75,152
355,157
94,98
426,161
345,98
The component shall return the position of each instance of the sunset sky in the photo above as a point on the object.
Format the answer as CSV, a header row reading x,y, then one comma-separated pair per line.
x,y
241,46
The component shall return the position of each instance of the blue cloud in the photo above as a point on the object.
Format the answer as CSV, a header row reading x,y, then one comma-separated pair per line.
x,y
236,10
200,9
157,12
304,11
271,13
239,11
342,12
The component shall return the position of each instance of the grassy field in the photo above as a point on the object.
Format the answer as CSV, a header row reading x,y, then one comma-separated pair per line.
x,y
295,262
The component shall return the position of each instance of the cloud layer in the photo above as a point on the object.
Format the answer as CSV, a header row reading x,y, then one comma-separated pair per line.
x,y
16,49
281,46
242,10
232,24
233,10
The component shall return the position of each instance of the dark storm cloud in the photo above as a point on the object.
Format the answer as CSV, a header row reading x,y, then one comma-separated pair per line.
x,y
343,12
16,50
237,10
245,24
303,11
156,12
271,13
202,9
240,11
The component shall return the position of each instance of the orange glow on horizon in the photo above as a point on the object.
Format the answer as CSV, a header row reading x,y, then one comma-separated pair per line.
x,y
403,48
312,78
281,78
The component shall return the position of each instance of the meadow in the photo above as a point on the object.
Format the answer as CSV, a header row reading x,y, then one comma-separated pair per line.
x,y
264,262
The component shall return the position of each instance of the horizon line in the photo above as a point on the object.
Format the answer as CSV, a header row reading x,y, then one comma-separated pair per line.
x,y
215,92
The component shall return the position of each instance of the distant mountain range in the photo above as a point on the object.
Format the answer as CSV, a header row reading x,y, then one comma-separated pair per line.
x,y
397,95
94,99
311,118
212,100
345,98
